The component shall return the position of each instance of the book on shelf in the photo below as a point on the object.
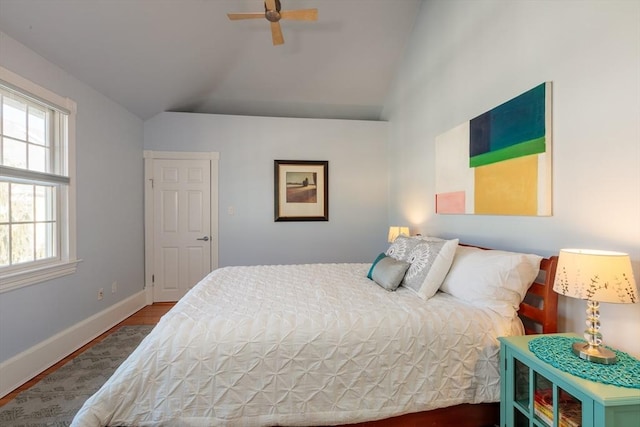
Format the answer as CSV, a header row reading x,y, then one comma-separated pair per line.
x,y
570,409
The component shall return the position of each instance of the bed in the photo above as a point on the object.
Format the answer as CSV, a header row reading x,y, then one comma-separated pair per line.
x,y
326,344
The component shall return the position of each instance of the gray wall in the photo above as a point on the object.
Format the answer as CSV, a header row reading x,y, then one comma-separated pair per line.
x,y
110,231
358,182
466,57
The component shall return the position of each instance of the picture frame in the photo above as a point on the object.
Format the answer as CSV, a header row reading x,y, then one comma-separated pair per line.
x,y
301,190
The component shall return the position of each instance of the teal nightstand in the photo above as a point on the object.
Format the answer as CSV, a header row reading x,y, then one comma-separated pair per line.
x,y
535,394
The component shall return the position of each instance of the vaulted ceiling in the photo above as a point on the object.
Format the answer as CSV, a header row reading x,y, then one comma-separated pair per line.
x,y
186,55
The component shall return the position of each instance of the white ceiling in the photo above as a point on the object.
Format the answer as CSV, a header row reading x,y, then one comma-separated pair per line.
x,y
185,55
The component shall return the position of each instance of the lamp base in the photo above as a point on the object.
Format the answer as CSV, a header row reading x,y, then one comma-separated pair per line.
x,y
596,354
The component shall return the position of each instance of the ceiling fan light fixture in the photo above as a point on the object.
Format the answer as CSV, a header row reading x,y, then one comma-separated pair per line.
x,y
273,15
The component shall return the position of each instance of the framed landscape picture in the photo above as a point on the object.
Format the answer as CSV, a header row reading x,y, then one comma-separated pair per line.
x,y
301,190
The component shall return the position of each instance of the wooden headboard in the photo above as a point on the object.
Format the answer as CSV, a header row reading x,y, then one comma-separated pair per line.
x,y
539,310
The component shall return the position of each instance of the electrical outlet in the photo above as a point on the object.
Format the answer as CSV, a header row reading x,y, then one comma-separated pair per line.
x,y
100,293
114,287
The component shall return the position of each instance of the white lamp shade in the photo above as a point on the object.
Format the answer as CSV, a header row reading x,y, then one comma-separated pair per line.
x,y
594,275
395,231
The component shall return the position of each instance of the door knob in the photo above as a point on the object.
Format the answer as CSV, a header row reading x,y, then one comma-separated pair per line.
x,y
205,238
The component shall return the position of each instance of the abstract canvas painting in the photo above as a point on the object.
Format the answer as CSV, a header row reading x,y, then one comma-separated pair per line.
x,y
498,163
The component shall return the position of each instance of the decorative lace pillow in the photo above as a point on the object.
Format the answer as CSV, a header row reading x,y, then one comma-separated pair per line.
x,y
430,262
401,247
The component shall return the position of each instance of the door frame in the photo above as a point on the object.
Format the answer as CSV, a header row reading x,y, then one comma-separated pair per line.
x,y
149,244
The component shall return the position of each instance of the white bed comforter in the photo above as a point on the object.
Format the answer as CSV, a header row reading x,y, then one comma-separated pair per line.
x,y
302,345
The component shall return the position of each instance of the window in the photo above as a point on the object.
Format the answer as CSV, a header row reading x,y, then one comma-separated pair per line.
x,y
37,183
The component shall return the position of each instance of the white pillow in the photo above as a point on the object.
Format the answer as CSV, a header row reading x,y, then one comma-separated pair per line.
x,y
490,278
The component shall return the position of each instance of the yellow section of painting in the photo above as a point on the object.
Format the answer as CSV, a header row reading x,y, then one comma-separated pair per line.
x,y
509,187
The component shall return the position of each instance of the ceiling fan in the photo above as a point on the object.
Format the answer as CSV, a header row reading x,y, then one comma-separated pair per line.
x,y
273,14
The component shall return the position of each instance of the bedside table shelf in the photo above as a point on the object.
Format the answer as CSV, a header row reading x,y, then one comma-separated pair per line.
x,y
535,394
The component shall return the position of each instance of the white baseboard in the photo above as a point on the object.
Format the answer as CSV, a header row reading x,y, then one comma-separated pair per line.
x,y
22,367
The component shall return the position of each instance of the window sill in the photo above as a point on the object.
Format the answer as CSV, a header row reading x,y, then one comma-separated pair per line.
x,y
15,280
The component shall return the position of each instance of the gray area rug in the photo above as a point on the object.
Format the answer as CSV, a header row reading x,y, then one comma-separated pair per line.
x,y
56,399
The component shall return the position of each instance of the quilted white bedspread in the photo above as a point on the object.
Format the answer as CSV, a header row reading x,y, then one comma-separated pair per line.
x,y
302,345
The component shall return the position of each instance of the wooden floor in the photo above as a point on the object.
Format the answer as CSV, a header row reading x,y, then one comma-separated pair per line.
x,y
149,315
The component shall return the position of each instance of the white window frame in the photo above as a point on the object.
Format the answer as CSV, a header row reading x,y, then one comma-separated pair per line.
x,y
66,263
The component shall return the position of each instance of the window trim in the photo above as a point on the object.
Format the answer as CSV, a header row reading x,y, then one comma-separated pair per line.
x,y
33,273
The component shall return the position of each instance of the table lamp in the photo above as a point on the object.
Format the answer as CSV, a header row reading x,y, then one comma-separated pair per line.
x,y
395,231
596,276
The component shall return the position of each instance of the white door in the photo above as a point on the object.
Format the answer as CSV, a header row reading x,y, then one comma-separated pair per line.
x,y
181,226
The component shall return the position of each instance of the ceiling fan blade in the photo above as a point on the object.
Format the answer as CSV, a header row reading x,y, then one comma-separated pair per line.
x,y
270,4
238,16
300,14
276,33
